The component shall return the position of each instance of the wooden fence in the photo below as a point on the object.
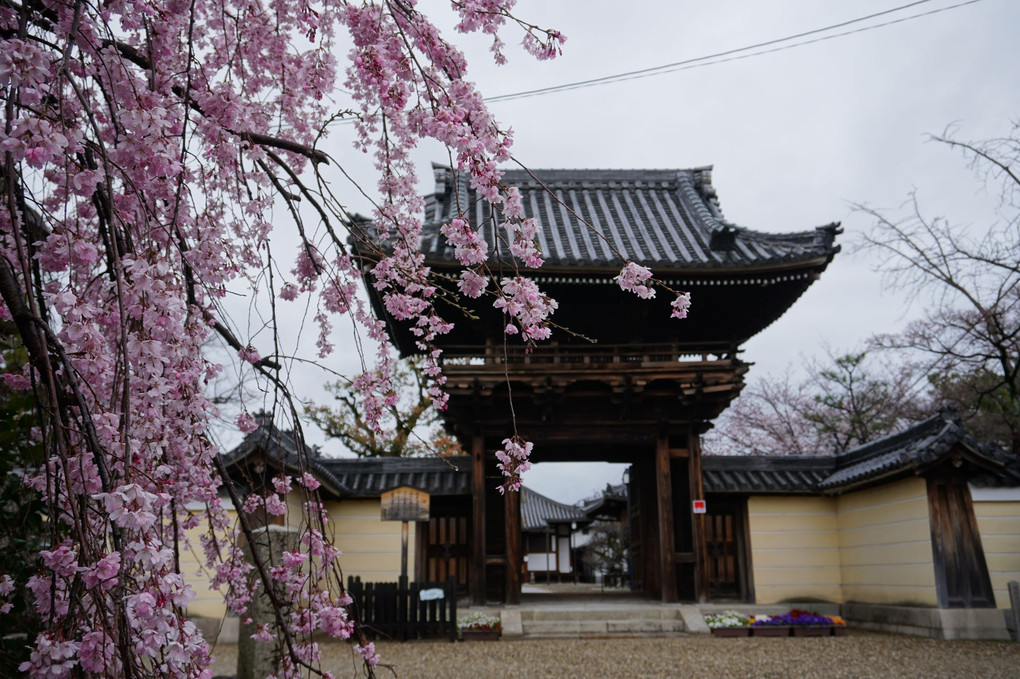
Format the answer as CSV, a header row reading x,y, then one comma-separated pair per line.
x,y
401,611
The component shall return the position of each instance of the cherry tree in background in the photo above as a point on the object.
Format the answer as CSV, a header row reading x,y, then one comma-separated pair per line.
x,y
148,150
844,401
411,427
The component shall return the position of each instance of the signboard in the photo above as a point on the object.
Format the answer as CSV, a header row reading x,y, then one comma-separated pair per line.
x,y
699,507
432,594
405,504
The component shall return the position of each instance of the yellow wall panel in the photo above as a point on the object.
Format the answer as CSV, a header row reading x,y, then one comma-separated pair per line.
x,y
885,544
999,525
893,596
905,553
794,524
795,548
208,603
1003,563
906,489
780,558
891,575
873,545
814,539
774,594
913,509
370,546
890,534
1001,544
373,544
370,549
992,509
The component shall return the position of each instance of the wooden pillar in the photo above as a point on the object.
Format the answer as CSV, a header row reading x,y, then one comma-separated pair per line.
x,y
478,519
556,551
512,522
699,530
664,494
549,557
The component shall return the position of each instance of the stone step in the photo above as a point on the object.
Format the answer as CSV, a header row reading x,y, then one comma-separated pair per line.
x,y
582,628
563,614
595,622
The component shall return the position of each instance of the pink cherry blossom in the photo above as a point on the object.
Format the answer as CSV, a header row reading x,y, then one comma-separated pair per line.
x,y
246,423
104,573
472,284
513,462
633,278
681,305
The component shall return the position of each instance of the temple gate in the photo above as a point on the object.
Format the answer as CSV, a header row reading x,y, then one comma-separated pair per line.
x,y
620,381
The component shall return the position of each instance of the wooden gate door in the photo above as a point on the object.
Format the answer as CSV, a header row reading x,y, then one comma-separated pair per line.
x,y
726,538
443,545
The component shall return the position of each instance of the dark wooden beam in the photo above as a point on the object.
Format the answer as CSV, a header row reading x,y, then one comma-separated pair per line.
x,y
512,520
478,519
701,575
664,501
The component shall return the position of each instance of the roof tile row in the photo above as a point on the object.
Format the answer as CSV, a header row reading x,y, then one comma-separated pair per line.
x,y
661,218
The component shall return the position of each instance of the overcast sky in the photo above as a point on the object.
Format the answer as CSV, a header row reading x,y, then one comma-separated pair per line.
x,y
796,136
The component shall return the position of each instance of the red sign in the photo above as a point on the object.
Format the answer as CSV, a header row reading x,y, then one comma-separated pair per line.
x,y
699,506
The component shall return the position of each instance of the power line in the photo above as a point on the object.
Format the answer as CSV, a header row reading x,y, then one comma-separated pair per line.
x,y
733,54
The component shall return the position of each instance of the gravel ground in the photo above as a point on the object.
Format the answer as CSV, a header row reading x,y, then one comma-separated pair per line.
x,y
858,655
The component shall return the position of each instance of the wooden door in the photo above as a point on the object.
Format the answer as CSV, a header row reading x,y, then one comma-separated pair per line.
x,y
727,553
444,544
961,574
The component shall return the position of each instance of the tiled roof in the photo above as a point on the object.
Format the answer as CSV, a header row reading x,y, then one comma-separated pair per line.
x,y
907,452
539,512
607,504
360,477
371,477
758,474
666,219
1007,477
281,446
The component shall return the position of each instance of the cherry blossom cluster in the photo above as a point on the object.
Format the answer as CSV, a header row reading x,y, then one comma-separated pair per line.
x,y
513,462
527,307
633,278
638,279
681,305
489,16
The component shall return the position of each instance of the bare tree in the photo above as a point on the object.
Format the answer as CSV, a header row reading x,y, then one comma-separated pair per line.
x,y
410,426
969,284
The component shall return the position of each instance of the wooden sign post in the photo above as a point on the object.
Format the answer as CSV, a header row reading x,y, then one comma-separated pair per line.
x,y
404,504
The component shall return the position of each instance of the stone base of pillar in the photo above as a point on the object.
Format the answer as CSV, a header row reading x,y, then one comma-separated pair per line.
x,y
258,659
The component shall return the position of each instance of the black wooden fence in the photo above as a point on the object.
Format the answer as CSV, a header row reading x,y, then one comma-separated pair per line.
x,y
401,611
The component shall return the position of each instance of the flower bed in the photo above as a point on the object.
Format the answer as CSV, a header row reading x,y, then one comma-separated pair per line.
x,y
731,631
797,623
770,631
480,627
727,620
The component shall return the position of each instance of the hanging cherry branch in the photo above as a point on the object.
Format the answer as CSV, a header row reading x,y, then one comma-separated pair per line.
x,y
146,146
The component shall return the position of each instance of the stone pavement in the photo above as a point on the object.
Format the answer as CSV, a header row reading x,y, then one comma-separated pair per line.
x,y
858,655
